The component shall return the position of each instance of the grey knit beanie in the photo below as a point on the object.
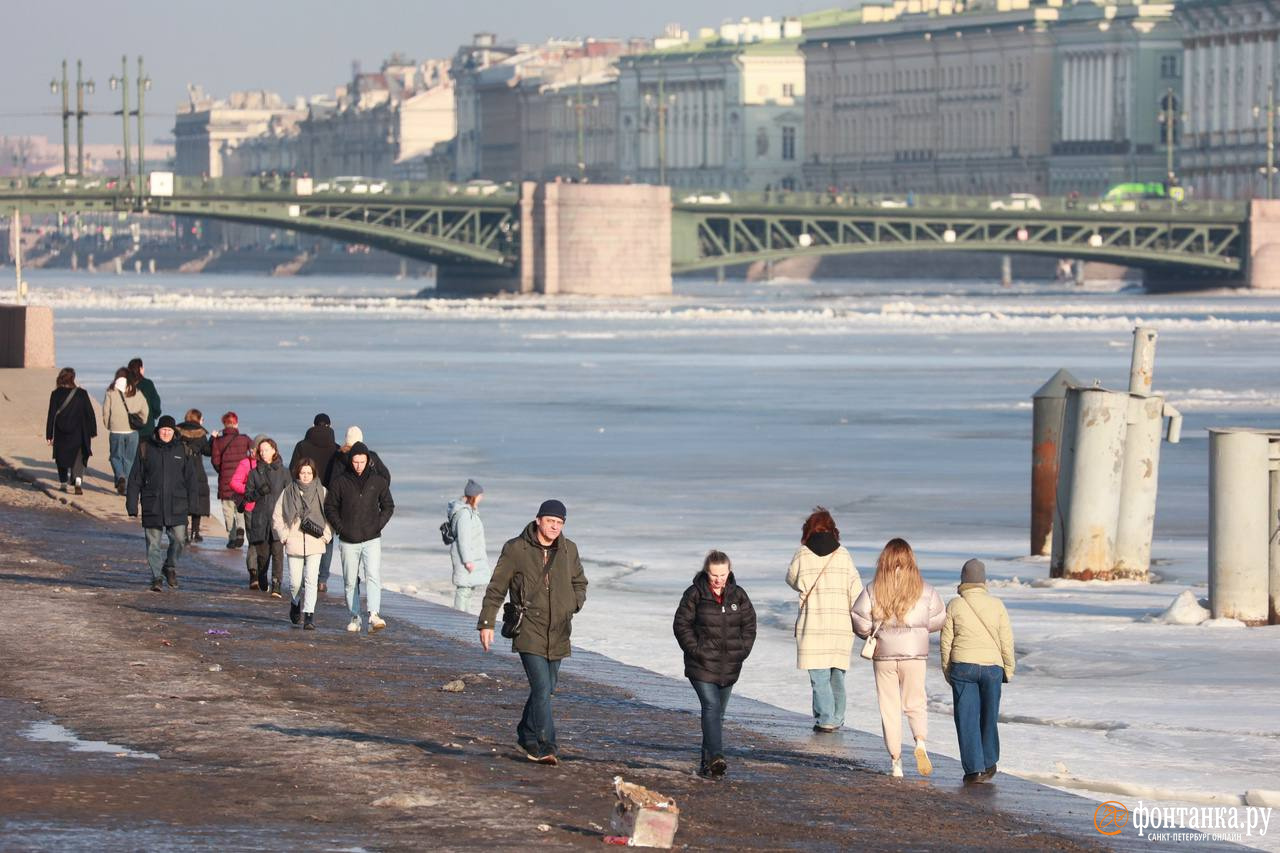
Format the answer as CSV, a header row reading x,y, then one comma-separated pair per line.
x,y
473,489
974,571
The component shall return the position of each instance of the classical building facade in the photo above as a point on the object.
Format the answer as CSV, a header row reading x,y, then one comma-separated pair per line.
x,y
725,111
931,96
206,129
1231,74
1117,67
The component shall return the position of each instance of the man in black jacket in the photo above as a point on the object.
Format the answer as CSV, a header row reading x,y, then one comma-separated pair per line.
x,y
319,445
164,480
358,506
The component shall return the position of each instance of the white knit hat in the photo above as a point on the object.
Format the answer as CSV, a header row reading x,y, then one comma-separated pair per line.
x,y
353,435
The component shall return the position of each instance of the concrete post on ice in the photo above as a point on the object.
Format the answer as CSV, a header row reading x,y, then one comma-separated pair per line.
x,y
1092,507
1048,404
1273,517
1240,501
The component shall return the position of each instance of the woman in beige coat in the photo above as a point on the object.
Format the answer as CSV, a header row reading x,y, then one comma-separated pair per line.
x,y
822,571
302,501
900,610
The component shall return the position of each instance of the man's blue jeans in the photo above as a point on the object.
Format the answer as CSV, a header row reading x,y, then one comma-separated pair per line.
x,y
537,730
158,557
362,560
714,700
828,696
975,695
124,449
326,559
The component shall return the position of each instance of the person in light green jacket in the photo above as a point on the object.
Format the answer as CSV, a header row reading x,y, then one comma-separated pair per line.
x,y
977,657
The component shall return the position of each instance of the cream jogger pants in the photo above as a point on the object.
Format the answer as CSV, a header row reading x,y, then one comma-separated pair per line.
x,y
900,688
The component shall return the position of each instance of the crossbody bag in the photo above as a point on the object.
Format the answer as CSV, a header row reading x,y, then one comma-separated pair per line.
x,y
136,421
992,634
804,599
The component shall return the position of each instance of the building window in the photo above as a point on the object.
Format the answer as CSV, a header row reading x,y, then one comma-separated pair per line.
x,y
788,143
1169,66
788,90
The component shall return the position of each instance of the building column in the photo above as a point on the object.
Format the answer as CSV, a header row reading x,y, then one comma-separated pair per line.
x,y
1109,95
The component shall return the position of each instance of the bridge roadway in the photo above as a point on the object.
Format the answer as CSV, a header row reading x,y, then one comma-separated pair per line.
x,y
482,225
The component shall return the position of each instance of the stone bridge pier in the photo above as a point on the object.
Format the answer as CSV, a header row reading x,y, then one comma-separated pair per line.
x,y
586,239
1263,271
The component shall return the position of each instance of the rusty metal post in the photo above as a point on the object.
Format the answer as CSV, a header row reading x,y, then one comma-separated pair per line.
x,y
1093,506
1239,486
1047,406
1143,364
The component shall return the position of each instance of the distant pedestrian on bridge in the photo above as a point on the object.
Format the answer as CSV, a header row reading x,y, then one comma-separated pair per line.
x,y
900,610
70,428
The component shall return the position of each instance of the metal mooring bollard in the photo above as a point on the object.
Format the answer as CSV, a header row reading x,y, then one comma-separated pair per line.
x,y
1092,507
1239,527
1048,405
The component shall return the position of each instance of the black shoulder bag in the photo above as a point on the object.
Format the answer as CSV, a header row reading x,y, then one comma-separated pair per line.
x,y
513,613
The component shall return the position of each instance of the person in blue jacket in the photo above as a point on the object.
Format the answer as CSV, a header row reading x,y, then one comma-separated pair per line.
x,y
470,558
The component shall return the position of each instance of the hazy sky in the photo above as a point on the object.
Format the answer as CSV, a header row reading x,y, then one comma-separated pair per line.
x,y
292,47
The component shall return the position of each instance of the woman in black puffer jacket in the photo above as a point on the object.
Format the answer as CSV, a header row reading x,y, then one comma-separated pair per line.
x,y
265,485
716,627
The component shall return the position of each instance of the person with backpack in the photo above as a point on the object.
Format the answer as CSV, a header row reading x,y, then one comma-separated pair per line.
x,y
977,657
463,532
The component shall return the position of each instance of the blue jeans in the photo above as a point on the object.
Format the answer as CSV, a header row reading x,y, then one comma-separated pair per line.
x,y
828,696
160,558
714,700
975,696
124,449
537,730
362,560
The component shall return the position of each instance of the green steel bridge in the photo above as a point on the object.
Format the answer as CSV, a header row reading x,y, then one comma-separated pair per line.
x,y
480,223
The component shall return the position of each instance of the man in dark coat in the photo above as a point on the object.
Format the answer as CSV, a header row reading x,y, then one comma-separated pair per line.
x,y
164,482
542,570
319,445
227,449
148,389
357,507
196,439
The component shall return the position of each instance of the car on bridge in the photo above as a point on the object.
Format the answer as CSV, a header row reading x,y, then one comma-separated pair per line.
x,y
708,198
1016,201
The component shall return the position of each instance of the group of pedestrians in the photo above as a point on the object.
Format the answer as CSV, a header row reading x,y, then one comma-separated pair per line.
x,y
338,497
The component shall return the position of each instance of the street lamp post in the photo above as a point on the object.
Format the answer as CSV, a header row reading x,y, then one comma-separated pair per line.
x,y
122,83
82,86
144,84
55,87
663,103
1271,138
1168,118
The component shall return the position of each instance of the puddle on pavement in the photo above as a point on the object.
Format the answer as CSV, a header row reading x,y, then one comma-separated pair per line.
x,y
53,733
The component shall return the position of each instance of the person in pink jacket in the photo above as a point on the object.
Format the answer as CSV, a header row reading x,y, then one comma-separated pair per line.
x,y
900,610
239,480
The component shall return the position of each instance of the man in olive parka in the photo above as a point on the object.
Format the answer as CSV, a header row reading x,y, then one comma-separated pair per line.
x,y
543,573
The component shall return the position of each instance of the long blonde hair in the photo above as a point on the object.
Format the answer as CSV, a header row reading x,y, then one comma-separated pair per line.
x,y
897,585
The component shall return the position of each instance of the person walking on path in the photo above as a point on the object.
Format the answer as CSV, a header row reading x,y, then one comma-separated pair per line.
x,y
124,410
320,446
69,428
244,505
264,484
900,610
163,483
715,626
227,450
358,507
296,519
977,657
148,389
196,440
822,571
543,573
468,554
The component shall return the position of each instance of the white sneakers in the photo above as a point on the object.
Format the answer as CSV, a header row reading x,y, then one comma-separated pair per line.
x,y
376,623
896,770
923,765
353,626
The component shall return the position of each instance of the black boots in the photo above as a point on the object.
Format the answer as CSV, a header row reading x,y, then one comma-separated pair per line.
x,y
121,482
309,624
156,586
295,612
171,577
275,589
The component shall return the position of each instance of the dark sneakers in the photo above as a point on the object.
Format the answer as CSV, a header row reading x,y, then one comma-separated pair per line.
x,y
275,590
715,769
309,624
550,759
295,613
988,774
171,577
156,586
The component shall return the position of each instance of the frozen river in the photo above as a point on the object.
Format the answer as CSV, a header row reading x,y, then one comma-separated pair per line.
x,y
719,417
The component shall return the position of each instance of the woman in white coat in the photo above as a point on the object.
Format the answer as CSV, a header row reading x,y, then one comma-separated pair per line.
x,y
468,554
298,515
900,610
822,571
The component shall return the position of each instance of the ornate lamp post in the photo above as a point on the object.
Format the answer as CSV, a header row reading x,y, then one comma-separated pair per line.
x,y
1271,137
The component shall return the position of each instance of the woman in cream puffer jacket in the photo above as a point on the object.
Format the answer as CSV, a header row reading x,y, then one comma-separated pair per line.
x,y
901,611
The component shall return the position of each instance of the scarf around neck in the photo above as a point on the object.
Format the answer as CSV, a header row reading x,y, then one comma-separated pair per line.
x,y
303,501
